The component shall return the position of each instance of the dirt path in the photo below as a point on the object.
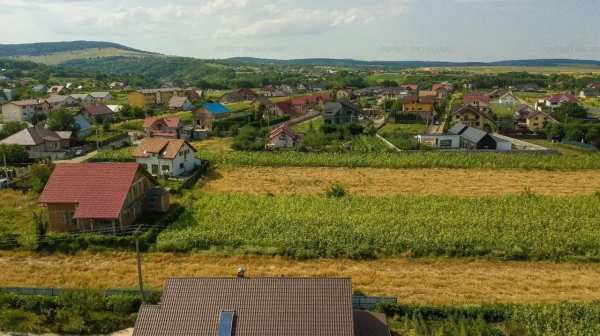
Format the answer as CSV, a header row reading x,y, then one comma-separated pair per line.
x,y
79,159
386,182
436,281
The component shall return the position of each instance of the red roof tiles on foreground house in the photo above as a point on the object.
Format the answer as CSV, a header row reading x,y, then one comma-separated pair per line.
x,y
257,307
99,189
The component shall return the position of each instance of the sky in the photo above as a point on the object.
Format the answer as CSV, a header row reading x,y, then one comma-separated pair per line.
x,y
449,30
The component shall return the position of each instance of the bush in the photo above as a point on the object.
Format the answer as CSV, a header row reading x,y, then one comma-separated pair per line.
x,y
13,153
335,191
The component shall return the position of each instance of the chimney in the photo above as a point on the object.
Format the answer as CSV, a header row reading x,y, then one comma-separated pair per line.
x,y
240,272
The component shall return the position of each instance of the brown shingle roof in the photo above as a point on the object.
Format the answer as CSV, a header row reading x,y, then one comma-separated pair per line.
x,y
262,306
167,148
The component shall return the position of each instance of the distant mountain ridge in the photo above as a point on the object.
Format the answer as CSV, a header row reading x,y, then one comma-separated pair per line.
x,y
412,64
45,48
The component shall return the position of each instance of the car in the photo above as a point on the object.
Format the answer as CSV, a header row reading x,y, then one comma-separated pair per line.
x,y
4,183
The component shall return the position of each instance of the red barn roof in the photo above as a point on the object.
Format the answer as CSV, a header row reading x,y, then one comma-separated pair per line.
x,y
98,189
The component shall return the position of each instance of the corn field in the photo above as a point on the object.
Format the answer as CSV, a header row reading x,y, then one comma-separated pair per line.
x,y
522,226
405,160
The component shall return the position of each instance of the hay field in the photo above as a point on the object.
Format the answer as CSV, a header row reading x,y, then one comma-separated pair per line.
x,y
387,182
423,281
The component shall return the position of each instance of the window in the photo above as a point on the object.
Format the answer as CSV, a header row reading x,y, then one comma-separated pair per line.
x,y
154,169
226,323
166,169
445,143
68,218
181,165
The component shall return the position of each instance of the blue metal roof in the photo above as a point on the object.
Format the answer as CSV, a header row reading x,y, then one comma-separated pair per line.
x,y
215,108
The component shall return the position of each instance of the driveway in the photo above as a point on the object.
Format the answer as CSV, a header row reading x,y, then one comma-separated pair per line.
x,y
79,159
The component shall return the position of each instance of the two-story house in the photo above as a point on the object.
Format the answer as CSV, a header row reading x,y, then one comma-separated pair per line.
x,y
100,197
23,110
166,157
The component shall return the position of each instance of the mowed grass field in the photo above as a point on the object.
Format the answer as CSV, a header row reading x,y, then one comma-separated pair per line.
x,y
388,182
423,281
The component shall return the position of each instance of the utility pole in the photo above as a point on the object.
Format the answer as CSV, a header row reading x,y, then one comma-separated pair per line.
x,y
139,263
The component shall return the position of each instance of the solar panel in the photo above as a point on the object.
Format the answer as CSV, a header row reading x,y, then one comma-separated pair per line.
x,y
226,323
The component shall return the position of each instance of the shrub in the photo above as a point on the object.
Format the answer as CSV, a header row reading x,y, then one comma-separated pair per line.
x,y
335,191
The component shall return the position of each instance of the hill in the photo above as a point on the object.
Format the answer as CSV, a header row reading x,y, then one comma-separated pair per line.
x,y
59,52
351,63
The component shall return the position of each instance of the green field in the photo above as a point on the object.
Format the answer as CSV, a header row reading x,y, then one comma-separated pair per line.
x,y
503,111
93,53
517,226
407,129
316,124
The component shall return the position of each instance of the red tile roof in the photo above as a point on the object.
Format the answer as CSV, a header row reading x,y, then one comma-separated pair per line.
x,y
167,148
476,97
562,97
98,189
412,87
172,122
283,129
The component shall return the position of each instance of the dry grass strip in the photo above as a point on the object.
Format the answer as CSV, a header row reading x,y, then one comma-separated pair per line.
x,y
435,281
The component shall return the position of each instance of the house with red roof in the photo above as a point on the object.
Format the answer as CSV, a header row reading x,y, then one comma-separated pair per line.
x,y
98,112
556,100
300,106
166,127
283,136
477,99
410,87
100,197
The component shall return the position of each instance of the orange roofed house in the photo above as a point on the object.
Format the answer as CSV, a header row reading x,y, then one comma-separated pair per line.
x,y
106,197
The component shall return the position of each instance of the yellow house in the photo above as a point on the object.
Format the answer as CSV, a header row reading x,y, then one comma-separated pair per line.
x,y
151,97
473,116
537,121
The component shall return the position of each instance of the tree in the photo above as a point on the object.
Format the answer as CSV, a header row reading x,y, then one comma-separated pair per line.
x,y
554,131
61,120
575,132
40,173
13,153
11,128
569,111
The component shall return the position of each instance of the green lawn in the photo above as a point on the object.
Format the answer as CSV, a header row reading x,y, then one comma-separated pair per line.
x,y
503,111
407,129
306,125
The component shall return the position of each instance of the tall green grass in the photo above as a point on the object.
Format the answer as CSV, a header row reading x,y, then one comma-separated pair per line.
x,y
405,160
512,227
531,320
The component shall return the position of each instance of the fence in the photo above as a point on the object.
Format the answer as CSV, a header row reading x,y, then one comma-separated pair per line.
x,y
358,301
